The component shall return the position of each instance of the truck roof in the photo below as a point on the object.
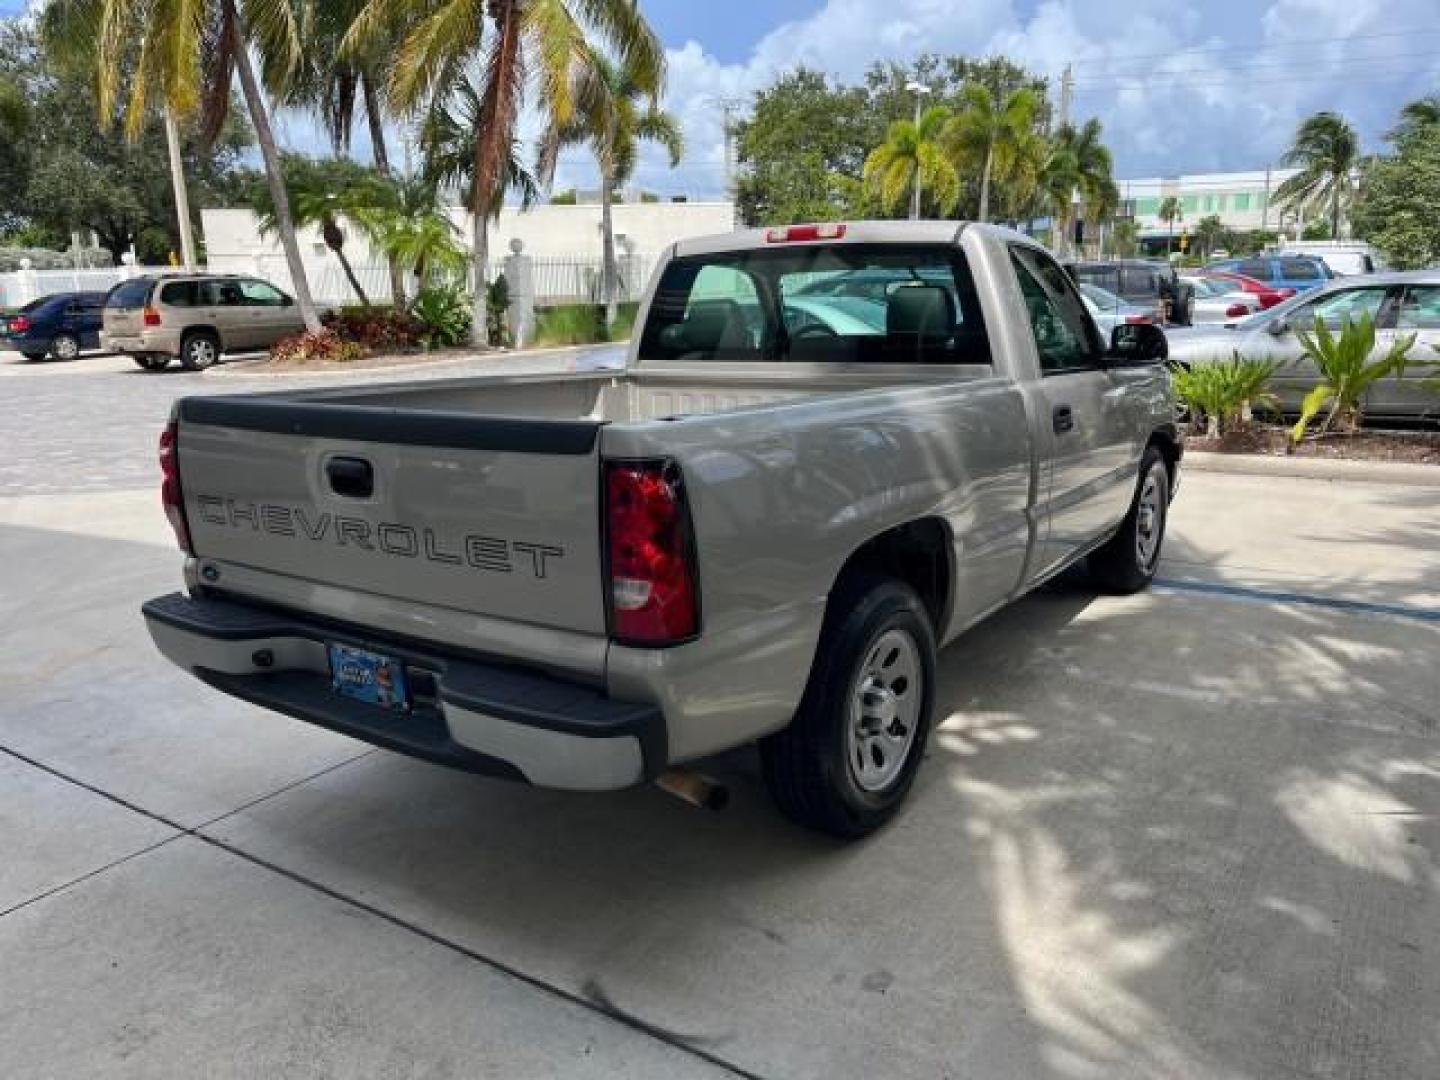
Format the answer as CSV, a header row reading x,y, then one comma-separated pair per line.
x,y
838,232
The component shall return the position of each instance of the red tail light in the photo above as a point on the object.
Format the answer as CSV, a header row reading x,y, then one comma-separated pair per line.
x,y
1236,311
654,598
20,325
793,234
151,316
1134,319
171,497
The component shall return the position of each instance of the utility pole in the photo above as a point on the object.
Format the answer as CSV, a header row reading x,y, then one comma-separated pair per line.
x,y
182,200
1265,203
728,107
1067,94
920,90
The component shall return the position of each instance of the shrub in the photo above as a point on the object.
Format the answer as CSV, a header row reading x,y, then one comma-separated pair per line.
x,y
1346,372
1219,392
378,329
443,314
582,324
497,309
324,347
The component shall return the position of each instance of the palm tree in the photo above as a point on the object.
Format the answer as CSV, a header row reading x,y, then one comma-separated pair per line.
x,y
186,60
1326,150
1208,232
988,131
614,112
1417,116
1170,212
531,42
321,194
911,159
1093,170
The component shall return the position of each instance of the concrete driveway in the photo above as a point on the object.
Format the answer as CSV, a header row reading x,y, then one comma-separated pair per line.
x,y
1187,834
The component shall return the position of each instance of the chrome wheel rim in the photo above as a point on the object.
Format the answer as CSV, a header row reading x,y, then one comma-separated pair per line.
x,y
884,710
66,349
1149,521
202,353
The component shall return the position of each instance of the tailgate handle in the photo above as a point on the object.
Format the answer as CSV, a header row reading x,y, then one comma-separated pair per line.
x,y
352,477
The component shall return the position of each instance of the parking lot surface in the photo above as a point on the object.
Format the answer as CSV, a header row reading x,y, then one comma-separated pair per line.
x,y
1191,833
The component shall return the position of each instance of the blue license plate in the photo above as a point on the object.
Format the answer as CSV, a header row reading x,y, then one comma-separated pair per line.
x,y
368,677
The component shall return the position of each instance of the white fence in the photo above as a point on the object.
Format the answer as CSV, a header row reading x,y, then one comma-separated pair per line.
x,y
556,280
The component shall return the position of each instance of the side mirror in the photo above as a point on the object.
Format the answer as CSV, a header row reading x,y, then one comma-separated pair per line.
x,y
1278,327
1134,344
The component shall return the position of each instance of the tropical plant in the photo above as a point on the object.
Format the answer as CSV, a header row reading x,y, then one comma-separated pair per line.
x,y
1396,210
497,310
989,132
404,218
614,111
186,61
1125,239
1078,162
443,312
1416,117
1346,372
911,160
1221,393
321,194
323,346
1169,212
1326,150
531,43
1209,232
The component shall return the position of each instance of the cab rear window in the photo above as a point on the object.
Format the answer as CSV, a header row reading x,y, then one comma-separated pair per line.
x,y
130,294
848,303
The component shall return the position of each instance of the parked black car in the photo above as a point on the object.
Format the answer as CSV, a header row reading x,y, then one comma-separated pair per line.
x,y
61,325
1141,281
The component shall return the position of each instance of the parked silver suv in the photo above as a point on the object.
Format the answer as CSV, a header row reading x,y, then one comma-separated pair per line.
x,y
195,318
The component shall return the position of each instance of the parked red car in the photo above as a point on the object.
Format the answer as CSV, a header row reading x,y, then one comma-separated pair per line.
x,y
1269,296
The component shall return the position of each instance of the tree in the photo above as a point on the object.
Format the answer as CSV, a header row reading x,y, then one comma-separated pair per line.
x,y
614,112
533,42
1416,117
989,131
322,193
407,221
1170,212
1209,232
1125,240
910,159
186,62
1326,150
803,149
1396,209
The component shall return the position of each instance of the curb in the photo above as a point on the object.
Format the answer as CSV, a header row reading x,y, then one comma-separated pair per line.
x,y
1403,474
254,369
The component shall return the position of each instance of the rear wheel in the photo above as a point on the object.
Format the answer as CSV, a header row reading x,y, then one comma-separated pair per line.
x,y
65,347
848,758
152,361
199,350
1127,562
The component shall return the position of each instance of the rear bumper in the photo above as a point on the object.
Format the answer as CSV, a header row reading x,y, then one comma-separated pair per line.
x,y
146,341
480,717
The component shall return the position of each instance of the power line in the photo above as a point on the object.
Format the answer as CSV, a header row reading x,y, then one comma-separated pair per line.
x,y
1190,50
1178,82
1242,69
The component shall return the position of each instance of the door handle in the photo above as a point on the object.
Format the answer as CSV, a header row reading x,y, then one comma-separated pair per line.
x,y
351,477
1062,419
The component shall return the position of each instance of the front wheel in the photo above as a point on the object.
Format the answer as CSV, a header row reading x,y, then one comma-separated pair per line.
x,y
1128,560
849,757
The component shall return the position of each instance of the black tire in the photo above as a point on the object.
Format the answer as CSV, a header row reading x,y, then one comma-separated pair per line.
x,y
199,349
65,347
809,767
1126,564
152,361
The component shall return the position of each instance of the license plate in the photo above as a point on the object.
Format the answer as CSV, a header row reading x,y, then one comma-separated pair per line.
x,y
368,677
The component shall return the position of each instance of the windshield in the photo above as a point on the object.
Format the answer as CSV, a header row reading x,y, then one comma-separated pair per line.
x,y
844,303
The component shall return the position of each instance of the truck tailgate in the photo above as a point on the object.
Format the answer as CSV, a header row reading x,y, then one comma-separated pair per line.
x,y
492,516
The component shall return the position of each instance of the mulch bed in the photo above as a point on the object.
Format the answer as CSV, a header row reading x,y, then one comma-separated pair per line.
x,y
1414,447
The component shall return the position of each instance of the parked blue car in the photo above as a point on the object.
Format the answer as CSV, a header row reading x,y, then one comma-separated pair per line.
x,y
1298,272
61,325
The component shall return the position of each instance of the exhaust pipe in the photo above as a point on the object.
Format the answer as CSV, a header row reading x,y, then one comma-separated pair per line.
x,y
693,788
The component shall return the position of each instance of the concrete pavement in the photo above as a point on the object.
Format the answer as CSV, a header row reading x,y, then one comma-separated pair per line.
x,y
1190,833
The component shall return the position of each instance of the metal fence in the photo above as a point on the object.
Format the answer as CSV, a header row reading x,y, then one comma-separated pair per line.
x,y
19,287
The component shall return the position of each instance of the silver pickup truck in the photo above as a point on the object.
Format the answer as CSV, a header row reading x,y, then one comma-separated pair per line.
x,y
832,450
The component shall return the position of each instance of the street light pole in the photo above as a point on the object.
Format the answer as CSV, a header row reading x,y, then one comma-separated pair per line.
x,y
182,200
920,90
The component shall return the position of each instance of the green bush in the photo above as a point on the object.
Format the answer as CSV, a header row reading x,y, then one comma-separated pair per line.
x,y
378,329
443,312
497,310
582,324
1346,372
1218,393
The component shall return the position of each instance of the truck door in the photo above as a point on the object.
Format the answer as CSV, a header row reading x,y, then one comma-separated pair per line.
x,y
1089,437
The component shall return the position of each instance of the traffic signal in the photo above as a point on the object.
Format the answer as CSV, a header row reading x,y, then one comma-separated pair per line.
x,y
1184,241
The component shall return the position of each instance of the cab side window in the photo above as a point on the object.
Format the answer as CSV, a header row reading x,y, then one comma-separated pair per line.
x,y
1065,338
